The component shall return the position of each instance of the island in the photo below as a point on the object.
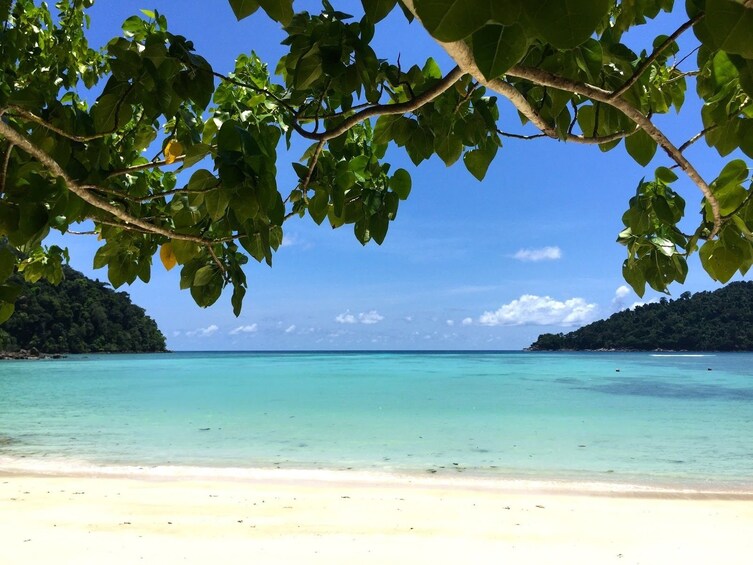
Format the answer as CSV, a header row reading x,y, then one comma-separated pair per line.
x,y
79,315
721,320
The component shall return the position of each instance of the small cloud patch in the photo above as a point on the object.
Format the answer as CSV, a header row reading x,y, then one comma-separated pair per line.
x,y
203,332
252,328
536,255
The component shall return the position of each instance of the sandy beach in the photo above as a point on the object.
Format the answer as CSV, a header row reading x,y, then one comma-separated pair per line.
x,y
300,518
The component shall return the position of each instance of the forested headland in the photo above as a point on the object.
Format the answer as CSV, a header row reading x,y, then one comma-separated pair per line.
x,y
79,315
721,320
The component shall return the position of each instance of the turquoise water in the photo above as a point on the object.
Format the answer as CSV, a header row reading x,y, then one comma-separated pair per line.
x,y
664,420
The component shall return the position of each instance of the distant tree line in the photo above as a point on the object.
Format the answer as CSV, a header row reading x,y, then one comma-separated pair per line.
x,y
721,320
79,315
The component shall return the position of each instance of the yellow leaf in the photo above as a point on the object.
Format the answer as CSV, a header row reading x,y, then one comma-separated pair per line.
x,y
173,150
167,255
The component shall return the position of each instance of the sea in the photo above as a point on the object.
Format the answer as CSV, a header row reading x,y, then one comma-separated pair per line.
x,y
651,420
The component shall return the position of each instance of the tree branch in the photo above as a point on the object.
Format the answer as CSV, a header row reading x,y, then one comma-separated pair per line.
x,y
87,196
20,112
384,109
4,170
539,76
149,165
462,55
312,166
696,137
149,197
651,59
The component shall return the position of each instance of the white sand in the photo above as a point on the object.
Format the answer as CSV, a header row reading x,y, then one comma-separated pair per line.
x,y
278,518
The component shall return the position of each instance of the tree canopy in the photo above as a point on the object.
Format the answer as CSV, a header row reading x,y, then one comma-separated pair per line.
x,y
724,315
100,138
78,315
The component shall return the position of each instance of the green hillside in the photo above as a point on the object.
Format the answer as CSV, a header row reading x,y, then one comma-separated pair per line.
x,y
721,320
79,315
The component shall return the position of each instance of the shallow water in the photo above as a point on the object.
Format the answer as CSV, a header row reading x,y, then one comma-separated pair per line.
x,y
638,418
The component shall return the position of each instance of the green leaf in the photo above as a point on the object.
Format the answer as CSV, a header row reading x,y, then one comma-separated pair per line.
x,y
279,10
449,148
731,26
109,112
478,160
243,8
195,153
318,206
506,12
641,147
719,261
6,311
378,226
202,180
452,20
400,183
567,23
216,202
7,263
665,175
496,48
205,275
634,276
377,10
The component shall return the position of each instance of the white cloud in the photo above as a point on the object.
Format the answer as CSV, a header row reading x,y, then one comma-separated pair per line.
x,y
244,329
345,318
203,332
622,291
290,329
450,322
369,318
619,295
635,305
408,319
176,333
543,254
467,321
540,310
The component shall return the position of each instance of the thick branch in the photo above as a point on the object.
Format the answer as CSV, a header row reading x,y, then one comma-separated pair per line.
x,y
461,53
600,95
651,59
86,195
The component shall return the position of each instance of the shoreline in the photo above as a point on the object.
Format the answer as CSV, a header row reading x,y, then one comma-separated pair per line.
x,y
598,486
280,518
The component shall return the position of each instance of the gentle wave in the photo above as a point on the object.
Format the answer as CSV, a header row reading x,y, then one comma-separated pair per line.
x,y
77,468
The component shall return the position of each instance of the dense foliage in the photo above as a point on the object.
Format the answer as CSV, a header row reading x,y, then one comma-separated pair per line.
x,y
562,64
78,315
706,321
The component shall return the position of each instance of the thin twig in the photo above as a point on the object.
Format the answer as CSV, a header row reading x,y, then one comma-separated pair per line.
x,y
6,162
651,59
215,258
696,137
384,109
149,197
312,165
149,165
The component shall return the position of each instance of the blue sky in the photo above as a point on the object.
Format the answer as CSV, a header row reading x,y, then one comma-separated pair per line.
x,y
466,265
